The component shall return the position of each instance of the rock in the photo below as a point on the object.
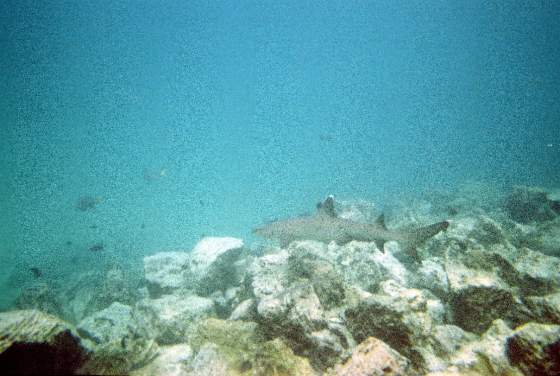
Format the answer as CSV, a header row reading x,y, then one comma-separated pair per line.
x,y
236,341
485,355
209,249
246,310
115,288
169,319
240,348
214,264
218,264
431,275
403,318
297,316
487,231
535,349
79,294
171,361
109,325
478,297
39,296
448,339
364,265
537,273
165,272
268,274
118,343
546,309
527,204
33,342
321,274
373,357
209,362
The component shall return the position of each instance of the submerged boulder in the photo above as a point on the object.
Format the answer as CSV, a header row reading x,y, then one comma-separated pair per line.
x,y
235,347
373,357
528,204
118,344
33,342
217,264
171,361
165,272
214,264
535,349
545,308
403,318
169,318
299,295
40,296
484,355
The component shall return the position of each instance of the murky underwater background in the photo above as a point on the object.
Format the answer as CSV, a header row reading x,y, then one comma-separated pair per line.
x,y
184,119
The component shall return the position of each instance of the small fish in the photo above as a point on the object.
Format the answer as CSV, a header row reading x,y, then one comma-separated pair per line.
x,y
87,202
37,273
97,247
93,227
143,226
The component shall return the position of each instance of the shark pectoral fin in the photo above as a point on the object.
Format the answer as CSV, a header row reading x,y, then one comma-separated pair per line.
x,y
379,244
380,221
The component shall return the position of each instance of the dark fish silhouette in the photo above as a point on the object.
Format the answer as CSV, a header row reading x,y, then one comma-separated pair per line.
x,y
87,202
37,273
326,226
97,247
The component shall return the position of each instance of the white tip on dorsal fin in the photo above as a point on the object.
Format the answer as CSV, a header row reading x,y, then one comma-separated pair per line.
x,y
380,221
327,207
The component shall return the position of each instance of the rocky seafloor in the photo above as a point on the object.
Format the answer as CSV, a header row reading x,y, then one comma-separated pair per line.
x,y
483,298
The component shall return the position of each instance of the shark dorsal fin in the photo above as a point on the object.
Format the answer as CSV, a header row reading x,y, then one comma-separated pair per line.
x,y
327,207
380,221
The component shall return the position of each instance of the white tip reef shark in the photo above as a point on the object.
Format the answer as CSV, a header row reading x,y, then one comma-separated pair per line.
x,y
326,226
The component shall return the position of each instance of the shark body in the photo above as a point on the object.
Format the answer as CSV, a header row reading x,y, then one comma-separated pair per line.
x,y
326,226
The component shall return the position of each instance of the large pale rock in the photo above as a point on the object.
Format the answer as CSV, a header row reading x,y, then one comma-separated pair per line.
x,y
403,318
209,362
214,264
165,272
171,361
118,342
109,325
373,357
240,348
535,349
485,355
364,265
168,319
33,342
217,264
298,294
208,249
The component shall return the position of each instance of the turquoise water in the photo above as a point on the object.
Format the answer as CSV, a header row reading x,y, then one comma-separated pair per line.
x,y
185,119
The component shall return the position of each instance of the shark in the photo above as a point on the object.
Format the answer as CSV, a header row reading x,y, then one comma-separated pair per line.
x,y
326,226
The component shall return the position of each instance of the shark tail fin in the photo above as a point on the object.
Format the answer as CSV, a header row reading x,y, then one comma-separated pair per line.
x,y
419,236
